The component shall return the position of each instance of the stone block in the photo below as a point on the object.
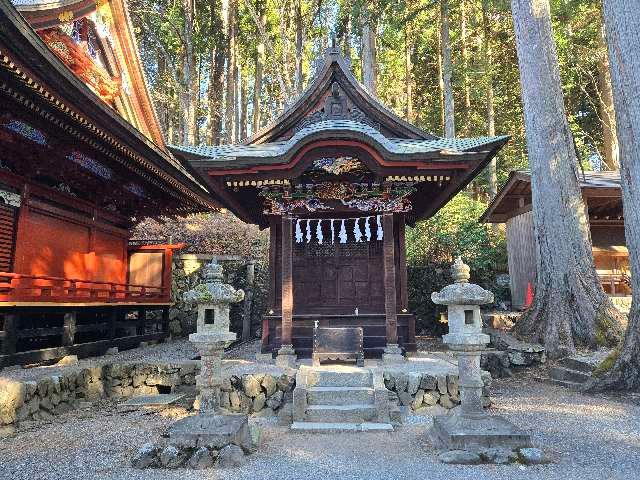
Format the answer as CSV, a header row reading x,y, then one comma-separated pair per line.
x,y
12,396
275,400
442,385
259,402
413,382
211,431
201,459
430,398
417,401
146,456
428,382
172,457
251,386
269,384
460,457
230,456
68,360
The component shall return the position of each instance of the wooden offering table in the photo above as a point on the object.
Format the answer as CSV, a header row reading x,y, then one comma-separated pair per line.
x,y
341,343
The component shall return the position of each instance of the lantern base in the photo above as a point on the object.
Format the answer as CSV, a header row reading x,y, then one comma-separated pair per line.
x,y
460,432
213,431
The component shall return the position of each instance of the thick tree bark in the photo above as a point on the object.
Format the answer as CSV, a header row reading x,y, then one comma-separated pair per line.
x,y
570,308
408,72
230,94
299,45
216,74
607,110
441,83
190,87
242,131
369,61
622,25
447,71
261,9
465,66
492,169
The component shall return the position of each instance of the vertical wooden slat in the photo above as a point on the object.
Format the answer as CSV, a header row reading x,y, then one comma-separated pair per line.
x,y
142,320
248,300
402,254
390,280
287,280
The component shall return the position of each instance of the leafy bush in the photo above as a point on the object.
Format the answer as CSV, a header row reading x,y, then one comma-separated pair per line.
x,y
432,245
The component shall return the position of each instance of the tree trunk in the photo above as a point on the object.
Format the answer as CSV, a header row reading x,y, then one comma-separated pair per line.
x,y
216,73
570,308
189,97
243,106
622,25
441,83
492,169
369,73
259,68
447,71
465,66
408,72
607,110
230,93
299,45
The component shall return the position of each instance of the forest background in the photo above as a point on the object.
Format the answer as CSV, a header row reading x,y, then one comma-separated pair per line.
x,y
222,69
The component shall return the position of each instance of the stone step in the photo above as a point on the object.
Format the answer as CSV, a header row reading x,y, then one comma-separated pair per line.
x,y
578,364
560,383
338,427
339,395
352,413
342,376
568,375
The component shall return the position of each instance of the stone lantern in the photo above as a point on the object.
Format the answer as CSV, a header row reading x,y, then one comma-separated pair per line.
x,y
213,298
470,427
212,427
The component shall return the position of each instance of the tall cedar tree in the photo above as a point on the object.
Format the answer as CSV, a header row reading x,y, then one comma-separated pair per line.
x,y
622,24
570,308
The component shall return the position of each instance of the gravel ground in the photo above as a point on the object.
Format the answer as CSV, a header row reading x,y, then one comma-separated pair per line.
x,y
589,437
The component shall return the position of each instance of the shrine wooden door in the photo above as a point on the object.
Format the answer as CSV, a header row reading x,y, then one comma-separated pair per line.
x,y
337,278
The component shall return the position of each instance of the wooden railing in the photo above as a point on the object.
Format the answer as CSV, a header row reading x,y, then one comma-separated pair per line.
x,y
15,287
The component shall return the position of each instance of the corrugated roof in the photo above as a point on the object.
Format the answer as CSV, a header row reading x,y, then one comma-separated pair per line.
x,y
42,4
591,179
397,146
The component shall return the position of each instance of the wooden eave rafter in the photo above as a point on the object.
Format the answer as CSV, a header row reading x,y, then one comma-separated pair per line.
x,y
490,215
96,124
335,69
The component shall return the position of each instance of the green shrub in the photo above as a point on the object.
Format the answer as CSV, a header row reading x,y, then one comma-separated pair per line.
x,y
432,245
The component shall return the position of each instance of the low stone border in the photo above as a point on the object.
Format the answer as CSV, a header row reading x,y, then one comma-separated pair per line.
x,y
495,456
418,390
509,354
54,395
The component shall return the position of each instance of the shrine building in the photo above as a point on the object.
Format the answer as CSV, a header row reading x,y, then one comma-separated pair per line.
x,y
602,195
336,178
81,157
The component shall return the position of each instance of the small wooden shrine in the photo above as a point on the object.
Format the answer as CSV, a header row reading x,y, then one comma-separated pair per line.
x,y
81,156
602,195
336,177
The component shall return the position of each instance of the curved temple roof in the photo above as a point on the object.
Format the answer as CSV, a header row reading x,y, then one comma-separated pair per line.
x,y
337,129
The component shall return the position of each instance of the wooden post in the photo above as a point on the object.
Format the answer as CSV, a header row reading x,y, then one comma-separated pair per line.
x,y
10,333
287,280
248,299
287,355
69,333
402,264
390,280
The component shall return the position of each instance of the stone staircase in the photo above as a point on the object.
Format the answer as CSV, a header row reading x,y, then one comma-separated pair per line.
x,y
340,398
575,371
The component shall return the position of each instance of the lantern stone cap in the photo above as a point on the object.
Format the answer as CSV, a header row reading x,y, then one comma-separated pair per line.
x,y
462,292
213,290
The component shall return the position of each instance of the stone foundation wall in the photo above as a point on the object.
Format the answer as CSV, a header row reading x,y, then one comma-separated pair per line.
x,y
420,390
37,400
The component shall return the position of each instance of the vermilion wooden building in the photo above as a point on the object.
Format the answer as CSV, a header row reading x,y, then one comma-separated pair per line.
x,y
81,156
337,154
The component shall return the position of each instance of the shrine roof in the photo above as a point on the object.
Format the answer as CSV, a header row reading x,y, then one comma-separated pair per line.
x,y
41,86
266,153
507,204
